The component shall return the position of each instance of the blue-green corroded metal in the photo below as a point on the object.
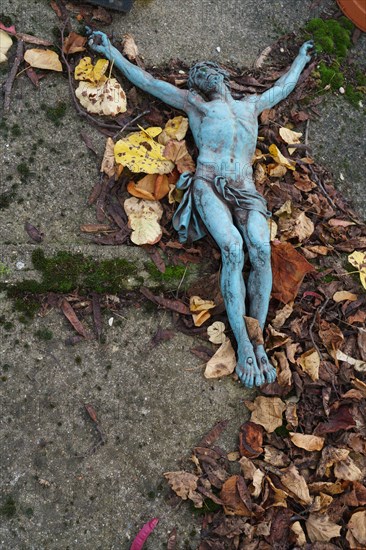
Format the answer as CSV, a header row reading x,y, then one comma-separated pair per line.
x,y
220,197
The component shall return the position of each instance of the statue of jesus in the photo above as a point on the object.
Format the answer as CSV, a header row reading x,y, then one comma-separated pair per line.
x,y
220,196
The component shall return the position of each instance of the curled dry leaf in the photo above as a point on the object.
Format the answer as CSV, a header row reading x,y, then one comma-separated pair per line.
x,y
331,335
275,457
330,455
282,315
43,59
107,165
184,484
356,534
199,309
356,363
141,153
307,442
347,470
233,504
310,363
284,374
5,44
152,187
299,533
267,411
291,415
296,485
321,529
290,137
102,98
276,170
143,217
222,363
279,158
74,43
130,48
295,225
250,440
254,330
216,332
177,152
176,129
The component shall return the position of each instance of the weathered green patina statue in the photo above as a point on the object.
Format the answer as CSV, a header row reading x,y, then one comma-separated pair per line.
x,y
221,197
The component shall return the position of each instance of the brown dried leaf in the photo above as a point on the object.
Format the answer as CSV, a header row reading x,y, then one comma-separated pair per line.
x,y
296,485
129,47
74,43
108,166
282,315
342,295
321,529
347,470
289,268
267,411
72,317
331,335
330,456
233,504
299,533
250,440
275,457
284,374
307,442
310,363
184,484
356,534
177,152
254,330
222,363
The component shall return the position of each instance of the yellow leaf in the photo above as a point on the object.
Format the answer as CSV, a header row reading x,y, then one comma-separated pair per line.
x,y
141,153
43,59
279,158
176,128
5,44
198,304
307,442
85,70
104,98
310,362
267,411
222,363
358,260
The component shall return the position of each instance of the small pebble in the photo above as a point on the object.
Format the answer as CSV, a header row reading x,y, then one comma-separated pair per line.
x,y
20,265
110,321
342,90
282,50
341,176
182,72
218,49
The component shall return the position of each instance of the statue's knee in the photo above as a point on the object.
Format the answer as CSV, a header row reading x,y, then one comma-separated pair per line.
x,y
261,255
233,252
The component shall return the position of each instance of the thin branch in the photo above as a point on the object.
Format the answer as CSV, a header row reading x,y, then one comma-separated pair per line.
x,y
8,86
129,124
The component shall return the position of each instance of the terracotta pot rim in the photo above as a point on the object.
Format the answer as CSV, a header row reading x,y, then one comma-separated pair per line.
x,y
355,10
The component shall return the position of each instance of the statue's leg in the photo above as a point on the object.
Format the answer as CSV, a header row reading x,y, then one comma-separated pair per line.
x,y
254,228
218,219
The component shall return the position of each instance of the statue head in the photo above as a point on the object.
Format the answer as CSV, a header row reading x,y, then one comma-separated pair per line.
x,y
208,77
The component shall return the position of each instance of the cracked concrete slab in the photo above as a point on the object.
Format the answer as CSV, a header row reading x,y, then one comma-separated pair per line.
x,y
153,403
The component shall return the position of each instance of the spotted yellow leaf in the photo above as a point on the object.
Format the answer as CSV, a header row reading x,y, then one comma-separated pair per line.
x,y
358,260
141,153
175,128
102,98
85,70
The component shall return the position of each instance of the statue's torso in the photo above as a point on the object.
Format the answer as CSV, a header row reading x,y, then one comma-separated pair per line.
x,y
226,135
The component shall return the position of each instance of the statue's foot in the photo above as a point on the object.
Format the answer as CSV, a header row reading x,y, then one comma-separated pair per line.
x,y
264,365
247,368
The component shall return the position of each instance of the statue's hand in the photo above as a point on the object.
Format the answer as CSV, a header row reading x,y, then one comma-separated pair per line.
x,y
99,42
305,48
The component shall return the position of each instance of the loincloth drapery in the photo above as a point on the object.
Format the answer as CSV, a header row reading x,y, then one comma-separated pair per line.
x,y
186,219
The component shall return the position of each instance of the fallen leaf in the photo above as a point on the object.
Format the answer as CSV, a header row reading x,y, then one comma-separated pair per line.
x,y
356,363
35,234
282,315
86,71
303,182
254,330
284,374
276,170
43,59
291,415
222,363
275,457
143,218
310,363
216,332
102,98
358,260
342,295
5,44
341,419
151,187
74,43
250,440
275,339
295,226
229,494
107,165
307,442
339,223
290,137
267,411
184,484
177,152
321,529
173,305
299,533
215,432
175,129
71,316
347,470
141,153
330,455
296,485
129,47
331,335
279,158
356,534
289,269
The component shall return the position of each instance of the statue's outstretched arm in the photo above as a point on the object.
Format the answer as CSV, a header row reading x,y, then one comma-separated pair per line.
x,y
284,85
168,93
